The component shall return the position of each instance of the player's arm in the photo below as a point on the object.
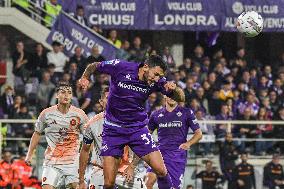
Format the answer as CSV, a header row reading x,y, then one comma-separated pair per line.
x,y
91,68
84,153
193,140
33,144
173,91
83,161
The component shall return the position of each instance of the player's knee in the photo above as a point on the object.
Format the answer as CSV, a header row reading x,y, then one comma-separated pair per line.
x,y
162,172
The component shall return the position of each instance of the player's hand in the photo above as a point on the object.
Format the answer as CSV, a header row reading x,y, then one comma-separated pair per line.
x,y
28,161
128,173
184,146
240,182
82,185
170,86
84,83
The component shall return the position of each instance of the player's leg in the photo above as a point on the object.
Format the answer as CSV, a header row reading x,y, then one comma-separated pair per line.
x,y
47,186
151,178
110,165
50,177
176,172
143,145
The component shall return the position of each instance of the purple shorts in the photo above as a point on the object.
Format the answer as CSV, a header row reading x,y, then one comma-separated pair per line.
x,y
175,168
114,139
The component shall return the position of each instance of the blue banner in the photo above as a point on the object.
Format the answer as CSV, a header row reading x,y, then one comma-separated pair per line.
x,y
182,15
71,35
109,14
272,12
192,15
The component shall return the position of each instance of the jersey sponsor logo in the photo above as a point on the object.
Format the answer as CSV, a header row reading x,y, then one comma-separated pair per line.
x,y
179,114
132,87
113,62
171,124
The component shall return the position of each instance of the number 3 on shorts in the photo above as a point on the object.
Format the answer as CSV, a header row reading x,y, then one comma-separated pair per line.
x,y
148,139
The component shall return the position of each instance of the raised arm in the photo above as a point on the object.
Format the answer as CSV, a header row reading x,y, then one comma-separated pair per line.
x,y
174,92
91,68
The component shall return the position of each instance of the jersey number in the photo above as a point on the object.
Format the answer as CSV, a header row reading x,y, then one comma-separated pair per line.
x,y
148,139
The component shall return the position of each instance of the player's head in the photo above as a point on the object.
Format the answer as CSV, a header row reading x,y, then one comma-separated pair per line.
x,y
64,93
244,157
154,69
170,102
189,187
229,137
276,158
7,156
208,165
104,96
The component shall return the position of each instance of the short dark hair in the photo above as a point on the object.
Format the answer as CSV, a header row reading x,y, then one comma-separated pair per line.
x,y
62,84
156,60
56,43
79,7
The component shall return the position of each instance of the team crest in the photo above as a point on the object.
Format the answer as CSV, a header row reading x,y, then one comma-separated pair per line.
x,y
179,114
92,187
128,77
43,179
74,122
161,115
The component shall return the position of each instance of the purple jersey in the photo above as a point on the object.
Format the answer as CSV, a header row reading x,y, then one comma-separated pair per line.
x,y
127,96
172,126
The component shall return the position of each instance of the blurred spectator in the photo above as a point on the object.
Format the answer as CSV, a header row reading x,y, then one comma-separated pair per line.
x,y
74,72
57,58
207,129
228,156
205,67
51,70
221,129
214,103
96,109
23,130
209,177
243,174
168,57
267,71
277,86
187,65
45,90
94,57
20,60
52,10
274,101
200,95
80,15
113,39
273,176
137,52
7,101
9,177
18,100
97,29
245,130
198,55
189,91
150,103
38,61
79,59
195,105
226,91
278,130
263,131
249,104
177,79
123,52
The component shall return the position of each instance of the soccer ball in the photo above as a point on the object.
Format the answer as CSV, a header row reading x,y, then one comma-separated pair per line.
x,y
250,23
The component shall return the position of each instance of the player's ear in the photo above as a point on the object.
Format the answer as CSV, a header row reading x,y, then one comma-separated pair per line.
x,y
146,67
